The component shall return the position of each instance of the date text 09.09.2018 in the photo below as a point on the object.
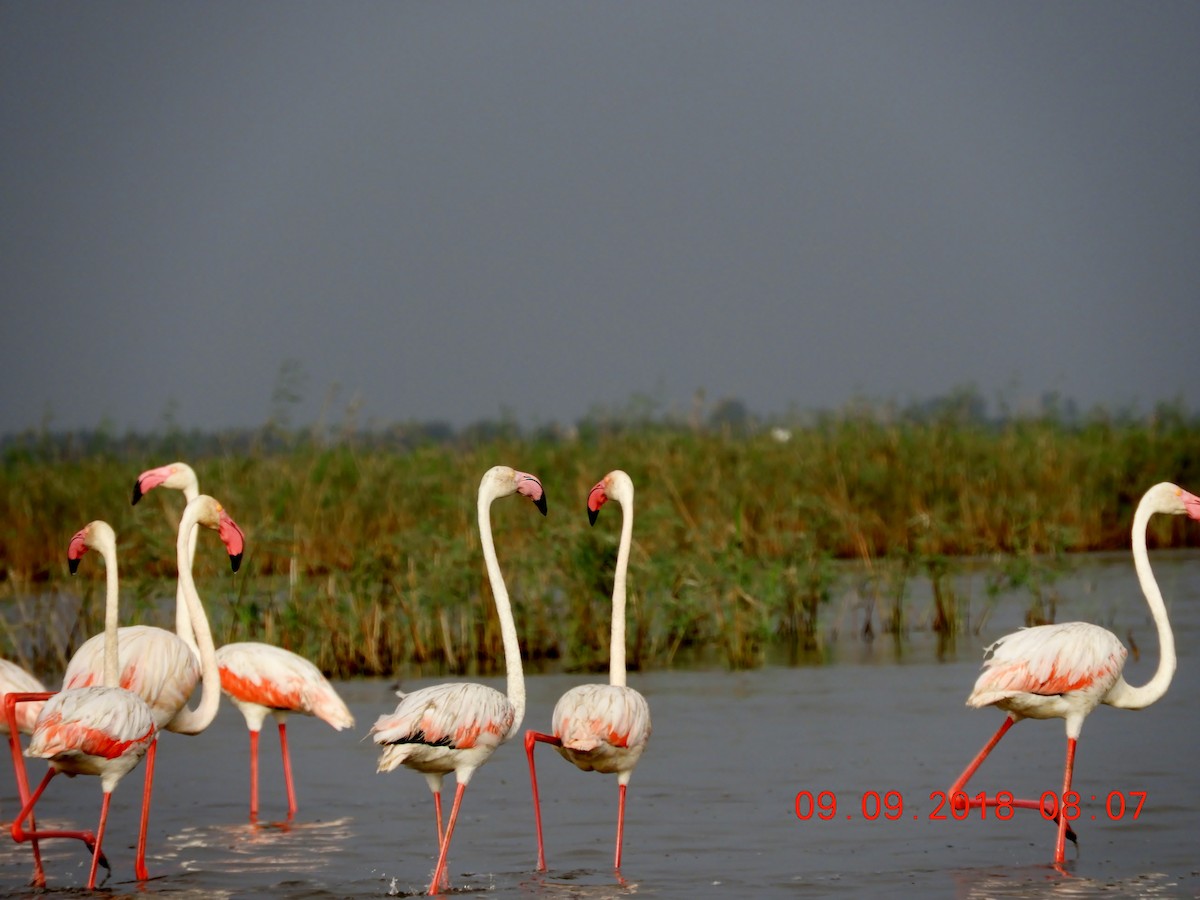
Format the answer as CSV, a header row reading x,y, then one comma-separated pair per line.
x,y
889,805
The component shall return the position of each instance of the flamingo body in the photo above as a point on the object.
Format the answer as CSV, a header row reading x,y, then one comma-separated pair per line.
x,y
602,727
1050,671
15,680
98,730
444,728
261,679
158,666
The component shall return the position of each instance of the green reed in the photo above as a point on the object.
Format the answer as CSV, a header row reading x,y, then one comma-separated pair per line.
x,y
363,552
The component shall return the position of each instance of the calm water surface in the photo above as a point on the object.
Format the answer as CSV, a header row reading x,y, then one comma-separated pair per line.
x,y
711,808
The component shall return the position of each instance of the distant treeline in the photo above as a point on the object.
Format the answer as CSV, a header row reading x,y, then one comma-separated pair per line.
x,y
363,553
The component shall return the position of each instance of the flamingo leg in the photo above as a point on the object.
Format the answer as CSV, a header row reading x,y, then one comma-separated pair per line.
x,y
437,811
1068,771
532,737
10,712
20,835
139,863
253,776
96,854
975,763
620,824
440,871
287,771
1065,830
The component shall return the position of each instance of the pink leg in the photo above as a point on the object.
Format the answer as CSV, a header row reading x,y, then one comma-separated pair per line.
x,y
961,782
254,776
437,809
96,854
14,739
139,863
287,771
962,779
620,825
435,884
1068,771
20,835
532,737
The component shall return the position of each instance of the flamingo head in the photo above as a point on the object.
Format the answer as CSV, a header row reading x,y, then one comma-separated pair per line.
x,y
92,536
207,511
1191,503
616,485
178,475
232,537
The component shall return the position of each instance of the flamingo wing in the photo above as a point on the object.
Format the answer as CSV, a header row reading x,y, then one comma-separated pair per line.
x,y
1049,660
278,679
451,716
591,715
93,731
157,665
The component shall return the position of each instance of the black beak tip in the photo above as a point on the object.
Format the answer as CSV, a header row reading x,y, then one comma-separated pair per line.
x,y
235,560
137,493
73,565
540,503
593,514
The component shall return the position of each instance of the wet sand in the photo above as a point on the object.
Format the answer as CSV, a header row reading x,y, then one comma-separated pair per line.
x,y
712,806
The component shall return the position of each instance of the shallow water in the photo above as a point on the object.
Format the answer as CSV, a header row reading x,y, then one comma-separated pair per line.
x,y
712,806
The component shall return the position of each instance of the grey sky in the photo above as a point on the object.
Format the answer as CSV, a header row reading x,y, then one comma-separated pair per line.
x,y
456,210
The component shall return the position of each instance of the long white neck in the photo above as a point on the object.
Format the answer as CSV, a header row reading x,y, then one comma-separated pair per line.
x,y
508,628
616,657
183,621
1122,694
189,721
112,661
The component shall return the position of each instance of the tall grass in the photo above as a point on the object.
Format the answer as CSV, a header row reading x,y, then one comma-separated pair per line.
x,y
365,557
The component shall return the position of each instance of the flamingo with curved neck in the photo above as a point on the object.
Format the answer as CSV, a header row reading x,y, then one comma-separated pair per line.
x,y
160,667
101,730
259,678
456,727
1065,671
601,727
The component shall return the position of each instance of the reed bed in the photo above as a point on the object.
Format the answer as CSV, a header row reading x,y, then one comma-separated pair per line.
x,y
363,554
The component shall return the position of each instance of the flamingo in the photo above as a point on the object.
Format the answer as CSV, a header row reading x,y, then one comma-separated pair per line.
x,y
456,727
1065,671
162,667
102,730
601,727
259,678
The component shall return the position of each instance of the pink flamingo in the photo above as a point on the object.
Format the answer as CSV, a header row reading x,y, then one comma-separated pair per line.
x,y
162,667
259,678
456,727
101,730
1065,671
601,727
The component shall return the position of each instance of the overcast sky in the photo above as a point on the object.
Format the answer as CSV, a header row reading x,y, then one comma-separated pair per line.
x,y
465,210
